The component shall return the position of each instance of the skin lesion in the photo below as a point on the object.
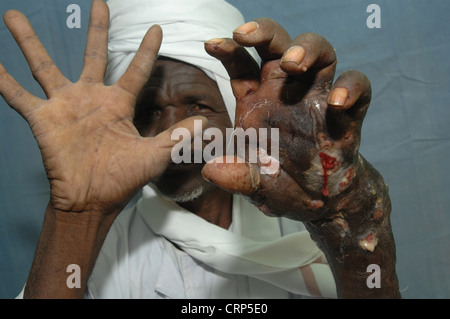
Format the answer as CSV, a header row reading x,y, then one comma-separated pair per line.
x,y
369,242
331,171
329,164
328,173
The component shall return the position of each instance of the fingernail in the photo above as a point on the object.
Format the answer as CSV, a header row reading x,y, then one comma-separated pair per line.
x,y
247,28
294,54
338,97
216,41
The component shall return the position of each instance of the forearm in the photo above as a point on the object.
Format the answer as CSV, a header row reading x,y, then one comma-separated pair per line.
x,y
358,235
66,239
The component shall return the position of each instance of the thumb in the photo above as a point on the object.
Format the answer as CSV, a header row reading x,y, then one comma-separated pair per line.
x,y
232,174
161,149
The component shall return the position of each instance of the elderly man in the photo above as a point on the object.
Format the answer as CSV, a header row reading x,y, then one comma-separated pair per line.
x,y
197,232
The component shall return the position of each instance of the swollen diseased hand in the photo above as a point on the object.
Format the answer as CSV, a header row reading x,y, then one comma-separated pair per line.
x,y
319,122
321,179
93,155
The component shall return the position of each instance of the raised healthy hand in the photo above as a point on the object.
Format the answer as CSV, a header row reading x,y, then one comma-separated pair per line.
x,y
93,155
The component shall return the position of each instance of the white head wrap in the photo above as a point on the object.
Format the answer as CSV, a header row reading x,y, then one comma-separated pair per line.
x,y
186,26
254,246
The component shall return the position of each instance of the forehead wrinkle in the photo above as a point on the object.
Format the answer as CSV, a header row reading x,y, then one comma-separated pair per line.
x,y
195,88
172,77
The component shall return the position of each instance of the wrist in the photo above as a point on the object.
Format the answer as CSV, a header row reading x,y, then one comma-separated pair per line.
x,y
356,237
89,218
67,240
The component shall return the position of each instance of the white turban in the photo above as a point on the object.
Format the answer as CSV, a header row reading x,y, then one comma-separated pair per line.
x,y
186,26
254,246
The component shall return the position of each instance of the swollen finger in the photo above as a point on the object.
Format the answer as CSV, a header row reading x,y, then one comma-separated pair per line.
x,y
274,193
140,67
268,37
232,174
96,56
240,65
351,92
236,175
348,101
15,95
311,52
42,67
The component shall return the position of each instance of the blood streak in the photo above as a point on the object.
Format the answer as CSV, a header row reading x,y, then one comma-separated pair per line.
x,y
328,164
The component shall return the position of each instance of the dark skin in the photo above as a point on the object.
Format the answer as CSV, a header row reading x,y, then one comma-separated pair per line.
x,y
323,181
174,92
96,159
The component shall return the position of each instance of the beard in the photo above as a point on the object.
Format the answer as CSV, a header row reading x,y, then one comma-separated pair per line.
x,y
186,196
181,183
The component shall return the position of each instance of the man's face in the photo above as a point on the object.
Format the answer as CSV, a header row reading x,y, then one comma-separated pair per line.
x,y
175,91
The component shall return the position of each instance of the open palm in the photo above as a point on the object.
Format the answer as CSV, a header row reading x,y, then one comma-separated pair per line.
x,y
93,155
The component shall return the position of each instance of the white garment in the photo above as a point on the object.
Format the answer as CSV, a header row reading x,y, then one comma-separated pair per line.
x,y
135,262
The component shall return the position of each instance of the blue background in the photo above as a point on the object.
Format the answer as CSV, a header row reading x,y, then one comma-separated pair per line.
x,y
406,133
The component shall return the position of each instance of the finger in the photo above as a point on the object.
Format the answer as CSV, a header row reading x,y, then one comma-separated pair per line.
x,y
349,98
352,92
42,67
237,175
15,95
240,65
140,68
311,51
268,37
95,56
274,194
233,175
160,149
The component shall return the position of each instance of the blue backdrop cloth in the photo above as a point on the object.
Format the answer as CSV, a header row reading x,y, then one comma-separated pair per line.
x,y
406,134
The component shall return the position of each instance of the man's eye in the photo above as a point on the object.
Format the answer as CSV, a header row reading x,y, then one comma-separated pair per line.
x,y
200,108
145,115
155,112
